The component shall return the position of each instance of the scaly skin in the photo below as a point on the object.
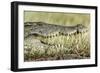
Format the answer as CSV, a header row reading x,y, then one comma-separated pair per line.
x,y
49,30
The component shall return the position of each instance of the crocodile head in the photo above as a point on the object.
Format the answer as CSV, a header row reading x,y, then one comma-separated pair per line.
x,y
51,30
81,28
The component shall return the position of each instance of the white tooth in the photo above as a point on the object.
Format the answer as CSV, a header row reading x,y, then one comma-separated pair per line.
x,y
61,46
41,46
54,35
53,46
58,45
49,38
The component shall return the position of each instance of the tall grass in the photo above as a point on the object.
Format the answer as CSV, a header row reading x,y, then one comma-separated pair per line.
x,y
62,47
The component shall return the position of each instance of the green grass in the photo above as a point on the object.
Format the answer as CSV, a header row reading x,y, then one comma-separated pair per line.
x,y
74,46
57,18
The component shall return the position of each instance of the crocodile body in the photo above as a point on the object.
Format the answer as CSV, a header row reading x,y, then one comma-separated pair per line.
x,y
49,30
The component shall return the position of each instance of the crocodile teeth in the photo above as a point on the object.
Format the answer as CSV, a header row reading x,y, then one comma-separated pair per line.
x,y
52,35
61,46
58,45
41,46
52,46
55,46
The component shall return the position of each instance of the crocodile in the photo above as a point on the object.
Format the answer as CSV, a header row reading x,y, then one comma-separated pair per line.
x,y
35,34
49,30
